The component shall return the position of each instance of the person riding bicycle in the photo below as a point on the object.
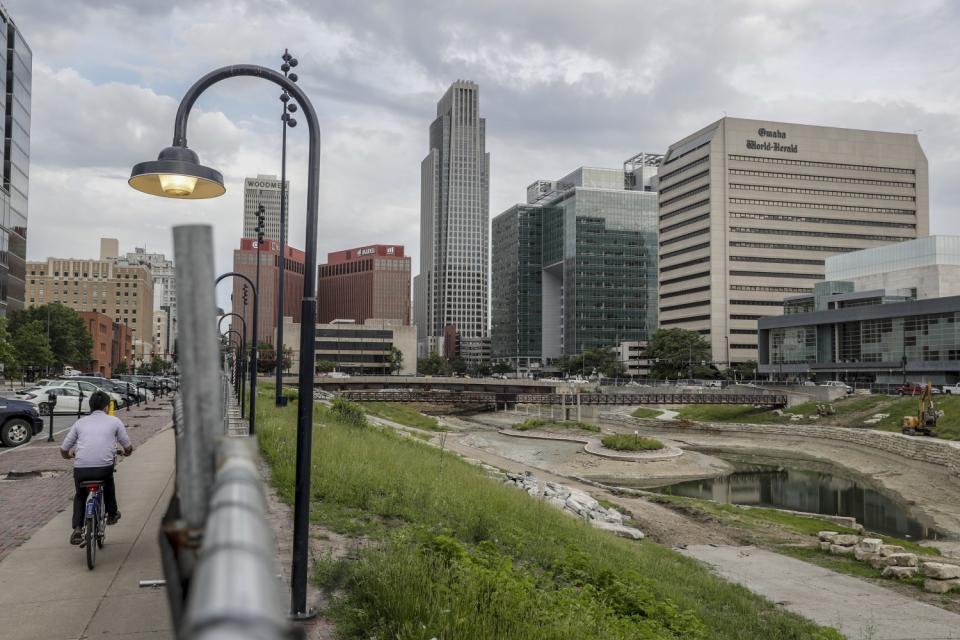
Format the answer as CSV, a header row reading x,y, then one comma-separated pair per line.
x,y
95,437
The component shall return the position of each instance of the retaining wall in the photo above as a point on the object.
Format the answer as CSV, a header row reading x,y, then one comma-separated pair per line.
x,y
941,452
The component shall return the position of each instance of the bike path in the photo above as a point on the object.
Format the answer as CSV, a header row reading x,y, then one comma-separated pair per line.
x,y
46,590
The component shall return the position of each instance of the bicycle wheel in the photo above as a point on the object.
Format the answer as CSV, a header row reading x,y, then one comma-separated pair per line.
x,y
90,535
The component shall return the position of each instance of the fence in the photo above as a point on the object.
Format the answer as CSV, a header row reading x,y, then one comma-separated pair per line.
x,y
216,544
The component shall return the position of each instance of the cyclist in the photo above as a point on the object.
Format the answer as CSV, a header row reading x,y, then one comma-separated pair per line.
x,y
95,437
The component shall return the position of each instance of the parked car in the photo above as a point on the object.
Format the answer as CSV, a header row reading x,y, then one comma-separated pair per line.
x,y
87,388
118,393
132,391
68,400
838,384
951,389
39,383
718,384
19,421
910,389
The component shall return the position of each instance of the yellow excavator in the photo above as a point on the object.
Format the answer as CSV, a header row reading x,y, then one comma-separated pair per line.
x,y
925,422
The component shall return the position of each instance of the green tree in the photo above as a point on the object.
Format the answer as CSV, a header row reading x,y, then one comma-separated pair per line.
x,y
69,341
432,365
32,346
287,359
325,366
677,351
121,368
601,360
8,354
396,360
502,367
746,370
157,366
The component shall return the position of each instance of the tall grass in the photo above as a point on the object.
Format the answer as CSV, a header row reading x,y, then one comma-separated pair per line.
x,y
403,414
462,556
541,423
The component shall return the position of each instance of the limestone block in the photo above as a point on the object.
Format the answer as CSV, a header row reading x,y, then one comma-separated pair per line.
x,y
864,556
824,545
890,549
877,561
618,529
826,536
871,545
840,550
899,572
941,571
940,586
901,560
845,540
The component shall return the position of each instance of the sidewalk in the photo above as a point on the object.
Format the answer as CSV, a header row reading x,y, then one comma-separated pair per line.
x,y
46,590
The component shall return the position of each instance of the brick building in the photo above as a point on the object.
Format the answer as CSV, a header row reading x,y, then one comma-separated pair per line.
x,y
371,282
245,262
112,343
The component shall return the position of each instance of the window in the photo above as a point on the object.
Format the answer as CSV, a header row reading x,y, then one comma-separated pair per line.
x,y
688,263
812,205
696,247
758,303
692,165
811,163
681,293
694,220
682,210
817,234
692,276
820,192
813,220
817,178
686,236
687,319
775,260
773,274
790,247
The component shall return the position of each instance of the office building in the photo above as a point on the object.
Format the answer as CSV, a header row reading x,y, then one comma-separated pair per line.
x,y
164,294
358,349
452,287
123,293
265,190
575,267
245,262
16,71
112,344
371,282
750,210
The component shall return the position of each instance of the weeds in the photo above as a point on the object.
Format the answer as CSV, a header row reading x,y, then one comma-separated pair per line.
x,y
539,423
627,442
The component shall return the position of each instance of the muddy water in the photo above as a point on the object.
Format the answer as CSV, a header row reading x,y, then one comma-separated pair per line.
x,y
812,491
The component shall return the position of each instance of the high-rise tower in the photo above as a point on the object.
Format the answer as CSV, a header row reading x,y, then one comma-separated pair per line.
x,y
452,288
265,190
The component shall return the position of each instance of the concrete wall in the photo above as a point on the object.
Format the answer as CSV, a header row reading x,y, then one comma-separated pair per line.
x,y
940,452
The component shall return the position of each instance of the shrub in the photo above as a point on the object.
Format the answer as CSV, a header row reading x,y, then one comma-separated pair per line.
x,y
538,423
349,412
627,442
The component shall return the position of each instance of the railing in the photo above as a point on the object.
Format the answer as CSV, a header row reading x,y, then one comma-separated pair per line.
x,y
568,399
216,544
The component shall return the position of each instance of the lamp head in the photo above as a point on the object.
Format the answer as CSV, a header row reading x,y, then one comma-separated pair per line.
x,y
177,173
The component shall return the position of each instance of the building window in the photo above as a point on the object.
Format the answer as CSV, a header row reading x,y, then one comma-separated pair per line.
x,y
811,163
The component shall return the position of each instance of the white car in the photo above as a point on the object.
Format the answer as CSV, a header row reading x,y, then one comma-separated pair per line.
x,y
838,384
87,388
68,400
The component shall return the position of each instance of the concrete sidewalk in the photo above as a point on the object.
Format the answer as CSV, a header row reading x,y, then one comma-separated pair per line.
x,y
46,590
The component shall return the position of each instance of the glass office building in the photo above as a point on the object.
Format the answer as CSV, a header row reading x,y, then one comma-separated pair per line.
x,y
576,267
15,71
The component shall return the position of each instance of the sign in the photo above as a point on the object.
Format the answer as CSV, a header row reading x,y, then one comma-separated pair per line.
x,y
766,145
263,184
389,251
366,251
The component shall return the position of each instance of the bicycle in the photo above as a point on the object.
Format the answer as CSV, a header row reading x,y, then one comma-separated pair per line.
x,y
94,521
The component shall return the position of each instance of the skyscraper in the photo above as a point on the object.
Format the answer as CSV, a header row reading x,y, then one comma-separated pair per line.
x,y
371,282
15,71
452,287
265,190
164,294
750,209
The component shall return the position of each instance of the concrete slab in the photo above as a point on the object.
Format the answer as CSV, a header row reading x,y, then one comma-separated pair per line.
x,y
46,574
855,608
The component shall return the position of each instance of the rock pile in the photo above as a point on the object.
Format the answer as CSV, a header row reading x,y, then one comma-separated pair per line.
x,y
574,502
892,560
940,577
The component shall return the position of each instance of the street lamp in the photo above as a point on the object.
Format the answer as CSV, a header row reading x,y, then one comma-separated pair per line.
x,y
286,121
243,348
256,344
253,333
185,177
238,368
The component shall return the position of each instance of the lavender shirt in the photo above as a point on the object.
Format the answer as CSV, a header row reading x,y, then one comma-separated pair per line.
x,y
96,437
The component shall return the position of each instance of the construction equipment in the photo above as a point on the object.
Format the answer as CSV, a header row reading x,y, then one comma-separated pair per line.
x,y
925,422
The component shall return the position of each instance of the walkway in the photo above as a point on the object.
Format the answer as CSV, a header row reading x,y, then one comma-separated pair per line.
x,y
858,609
46,590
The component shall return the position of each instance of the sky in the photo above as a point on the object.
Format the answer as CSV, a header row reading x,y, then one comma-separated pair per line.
x,y
562,84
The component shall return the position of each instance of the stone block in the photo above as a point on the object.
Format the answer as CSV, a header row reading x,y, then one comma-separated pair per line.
x,y
826,536
845,539
941,571
864,556
871,545
877,562
941,586
899,573
824,545
840,550
890,549
618,529
901,560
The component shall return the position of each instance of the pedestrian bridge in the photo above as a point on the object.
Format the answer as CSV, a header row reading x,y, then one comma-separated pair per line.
x,y
480,398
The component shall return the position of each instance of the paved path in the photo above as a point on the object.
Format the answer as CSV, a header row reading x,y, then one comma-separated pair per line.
x,y
859,610
46,590
29,503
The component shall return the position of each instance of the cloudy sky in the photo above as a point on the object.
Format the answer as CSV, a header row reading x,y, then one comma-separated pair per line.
x,y
563,84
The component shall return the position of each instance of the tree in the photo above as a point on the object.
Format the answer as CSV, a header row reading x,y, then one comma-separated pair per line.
x,y
502,367
8,354
32,346
602,360
432,365
287,359
266,357
676,352
157,365
121,368
325,366
396,360
746,370
69,341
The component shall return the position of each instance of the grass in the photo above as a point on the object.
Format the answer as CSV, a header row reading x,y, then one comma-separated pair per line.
x,y
402,414
851,412
627,442
537,423
460,555
644,412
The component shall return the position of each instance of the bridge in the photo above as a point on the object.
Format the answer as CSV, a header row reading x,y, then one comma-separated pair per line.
x,y
428,383
565,399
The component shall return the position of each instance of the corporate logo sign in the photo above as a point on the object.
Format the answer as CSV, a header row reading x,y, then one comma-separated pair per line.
x,y
263,184
771,145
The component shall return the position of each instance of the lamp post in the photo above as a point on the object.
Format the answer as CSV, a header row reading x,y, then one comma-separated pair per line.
x,y
177,173
253,333
286,120
243,347
238,364
256,338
